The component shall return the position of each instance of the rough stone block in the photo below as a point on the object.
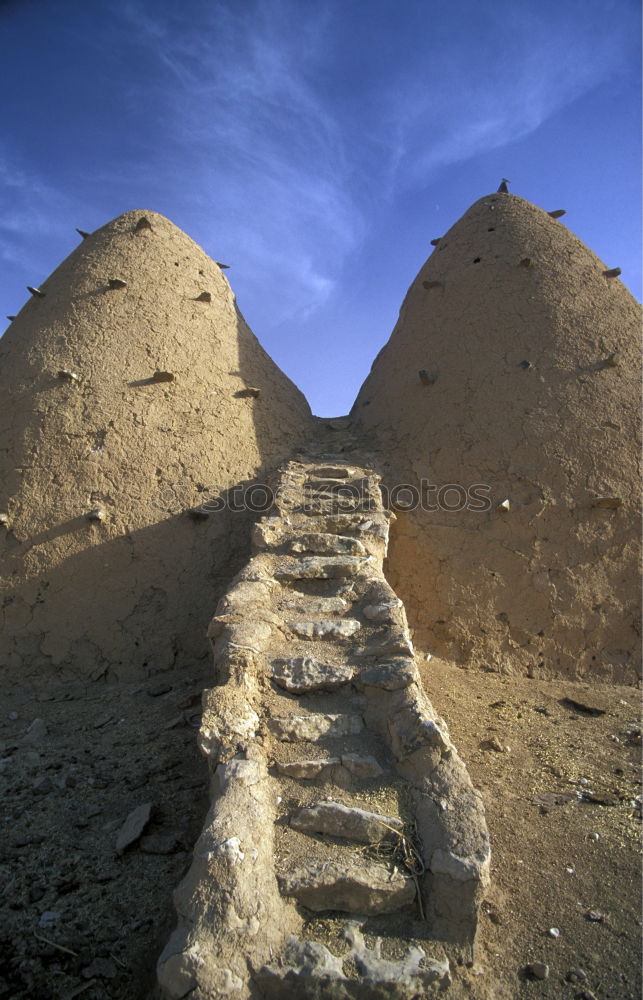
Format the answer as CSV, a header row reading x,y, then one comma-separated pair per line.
x,y
361,767
306,769
342,628
328,544
338,820
301,673
292,728
364,887
391,676
411,729
319,568
384,612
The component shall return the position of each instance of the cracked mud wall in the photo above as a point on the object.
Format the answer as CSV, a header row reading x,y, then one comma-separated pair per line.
x,y
531,386
131,594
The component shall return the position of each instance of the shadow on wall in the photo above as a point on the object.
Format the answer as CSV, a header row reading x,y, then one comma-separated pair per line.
x,y
160,586
140,600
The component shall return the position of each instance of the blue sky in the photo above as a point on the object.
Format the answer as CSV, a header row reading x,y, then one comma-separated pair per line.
x,y
317,146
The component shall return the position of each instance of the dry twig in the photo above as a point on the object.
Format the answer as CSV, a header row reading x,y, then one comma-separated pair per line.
x,y
403,851
54,944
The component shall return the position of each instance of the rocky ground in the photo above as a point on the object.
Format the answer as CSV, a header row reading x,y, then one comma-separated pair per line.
x,y
80,919
557,763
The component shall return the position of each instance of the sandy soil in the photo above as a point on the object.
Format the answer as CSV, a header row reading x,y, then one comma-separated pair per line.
x,y
78,919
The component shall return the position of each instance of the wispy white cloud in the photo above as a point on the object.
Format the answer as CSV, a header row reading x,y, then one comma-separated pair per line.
x,y
524,65
30,208
265,160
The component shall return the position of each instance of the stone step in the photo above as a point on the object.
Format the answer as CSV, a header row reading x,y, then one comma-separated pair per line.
x,y
310,728
360,886
327,544
384,612
337,523
352,498
391,676
308,769
361,767
327,507
396,644
356,765
318,559
351,823
351,484
337,628
319,568
301,674
308,970
331,471
273,533
323,606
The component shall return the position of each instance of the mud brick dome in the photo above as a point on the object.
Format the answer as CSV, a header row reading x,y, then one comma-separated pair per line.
x,y
515,364
487,478
125,401
133,390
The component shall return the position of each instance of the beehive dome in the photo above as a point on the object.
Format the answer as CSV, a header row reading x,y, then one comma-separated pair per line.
x,y
132,390
513,374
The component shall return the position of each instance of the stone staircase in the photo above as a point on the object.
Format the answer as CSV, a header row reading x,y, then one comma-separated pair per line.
x,y
344,836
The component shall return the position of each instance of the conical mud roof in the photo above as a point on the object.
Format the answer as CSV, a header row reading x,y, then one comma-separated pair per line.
x,y
125,391
515,366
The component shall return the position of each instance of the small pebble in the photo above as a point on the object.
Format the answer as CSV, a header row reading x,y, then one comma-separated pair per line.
x,y
553,932
133,826
104,968
43,786
36,732
13,716
596,916
594,836
492,744
157,843
576,976
176,721
538,970
156,690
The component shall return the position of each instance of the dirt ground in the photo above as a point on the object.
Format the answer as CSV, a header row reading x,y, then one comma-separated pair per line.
x,y
560,785
573,867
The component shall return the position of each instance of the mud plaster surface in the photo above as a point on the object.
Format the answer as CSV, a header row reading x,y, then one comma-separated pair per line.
x,y
132,594
549,587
